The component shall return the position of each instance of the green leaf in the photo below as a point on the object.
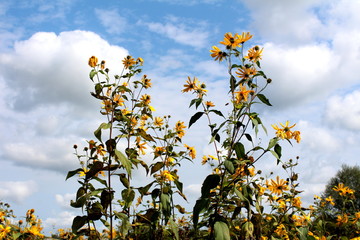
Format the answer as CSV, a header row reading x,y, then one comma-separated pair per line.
x,y
229,166
97,132
156,167
221,231
209,183
232,83
166,207
144,135
174,228
200,205
239,150
194,118
179,185
277,149
217,112
78,222
106,198
249,228
110,146
276,156
144,190
263,99
272,143
95,211
72,173
196,101
128,195
124,180
126,163
95,169
92,74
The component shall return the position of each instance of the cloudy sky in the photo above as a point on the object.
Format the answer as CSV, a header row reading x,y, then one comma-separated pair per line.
x,y
311,51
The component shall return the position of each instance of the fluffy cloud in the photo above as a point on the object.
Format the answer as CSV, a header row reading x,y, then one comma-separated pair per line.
x,y
111,20
17,191
344,111
46,96
64,200
185,32
63,220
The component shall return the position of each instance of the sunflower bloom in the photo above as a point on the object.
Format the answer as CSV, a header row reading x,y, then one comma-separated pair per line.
x,y
118,100
341,219
146,82
166,175
146,99
231,41
93,61
209,104
254,54
141,146
179,128
244,37
191,85
330,200
285,132
192,151
218,54
159,121
242,95
128,62
83,172
278,186
4,231
246,72
158,151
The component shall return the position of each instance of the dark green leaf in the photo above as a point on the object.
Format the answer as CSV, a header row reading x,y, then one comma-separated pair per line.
x,y
106,198
200,205
232,83
124,180
128,196
156,167
277,149
73,172
95,211
194,118
92,74
239,150
144,135
94,170
110,146
263,99
217,112
209,183
78,222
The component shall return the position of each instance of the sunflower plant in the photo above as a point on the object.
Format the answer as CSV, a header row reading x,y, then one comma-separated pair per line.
x,y
231,196
129,135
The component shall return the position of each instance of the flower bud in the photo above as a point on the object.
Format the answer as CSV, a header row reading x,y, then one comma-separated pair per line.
x,y
93,61
268,80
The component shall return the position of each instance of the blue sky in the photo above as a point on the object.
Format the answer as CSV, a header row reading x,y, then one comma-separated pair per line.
x,y
311,51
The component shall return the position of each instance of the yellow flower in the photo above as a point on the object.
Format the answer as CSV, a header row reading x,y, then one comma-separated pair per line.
x,y
128,62
296,202
146,99
158,121
4,231
35,230
141,146
218,54
192,151
107,105
244,37
341,219
281,231
158,151
118,100
278,186
231,41
140,61
146,82
166,175
93,61
209,104
179,128
242,95
191,85
254,54
100,150
330,200
343,190
285,132
246,72
83,172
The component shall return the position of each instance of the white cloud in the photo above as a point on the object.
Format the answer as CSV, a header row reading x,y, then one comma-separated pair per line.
x,y
64,200
293,22
185,32
17,191
111,20
344,111
299,73
63,220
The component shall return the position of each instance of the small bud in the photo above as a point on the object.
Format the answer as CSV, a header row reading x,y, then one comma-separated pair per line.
x,y
256,48
107,70
75,146
203,85
117,76
268,80
20,222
